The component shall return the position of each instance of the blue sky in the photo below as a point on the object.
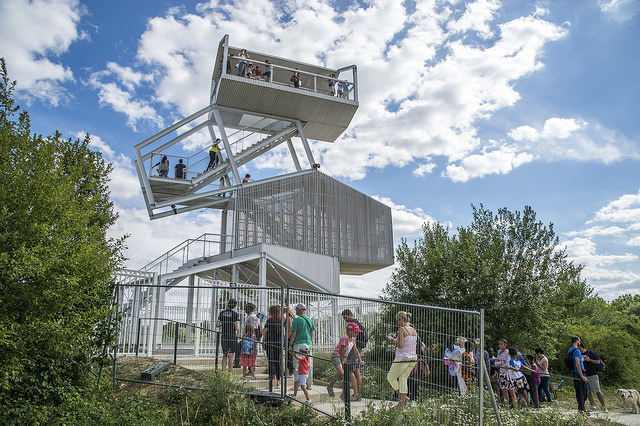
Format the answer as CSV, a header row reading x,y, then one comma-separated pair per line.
x,y
507,104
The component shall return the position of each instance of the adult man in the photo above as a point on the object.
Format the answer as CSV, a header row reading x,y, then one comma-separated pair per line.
x,y
180,171
301,333
591,360
580,381
353,365
229,320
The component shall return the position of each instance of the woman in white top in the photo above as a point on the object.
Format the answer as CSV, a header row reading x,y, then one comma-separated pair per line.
x,y
405,359
543,365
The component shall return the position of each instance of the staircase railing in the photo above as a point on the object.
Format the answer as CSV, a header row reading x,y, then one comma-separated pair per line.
x,y
205,245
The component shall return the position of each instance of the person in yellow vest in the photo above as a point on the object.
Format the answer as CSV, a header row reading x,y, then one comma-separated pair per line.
x,y
214,158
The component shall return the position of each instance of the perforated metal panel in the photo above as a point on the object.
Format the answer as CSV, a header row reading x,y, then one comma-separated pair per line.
x,y
315,213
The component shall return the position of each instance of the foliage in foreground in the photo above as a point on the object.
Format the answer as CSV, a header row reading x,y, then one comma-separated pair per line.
x,y
455,412
55,263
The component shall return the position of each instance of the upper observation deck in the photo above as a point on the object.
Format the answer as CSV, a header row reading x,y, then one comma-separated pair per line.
x,y
324,100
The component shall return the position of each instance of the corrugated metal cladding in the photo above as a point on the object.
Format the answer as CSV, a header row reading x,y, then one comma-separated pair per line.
x,y
315,213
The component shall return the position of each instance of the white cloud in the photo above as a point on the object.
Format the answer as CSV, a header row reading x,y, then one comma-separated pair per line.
x,y
153,238
624,209
500,161
370,284
438,102
561,128
406,222
477,17
33,35
619,10
110,94
607,248
573,139
123,181
127,76
424,169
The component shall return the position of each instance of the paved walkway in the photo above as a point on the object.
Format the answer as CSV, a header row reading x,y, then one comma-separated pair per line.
x,y
616,416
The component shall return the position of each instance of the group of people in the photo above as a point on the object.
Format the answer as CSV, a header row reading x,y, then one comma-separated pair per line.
x,y
247,69
180,169
339,88
585,365
268,332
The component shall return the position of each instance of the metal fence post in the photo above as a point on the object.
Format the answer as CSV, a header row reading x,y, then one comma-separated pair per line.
x,y
346,392
138,336
482,369
217,347
175,345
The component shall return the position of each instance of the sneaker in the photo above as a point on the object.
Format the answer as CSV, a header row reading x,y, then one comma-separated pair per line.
x,y
604,410
592,408
309,402
330,391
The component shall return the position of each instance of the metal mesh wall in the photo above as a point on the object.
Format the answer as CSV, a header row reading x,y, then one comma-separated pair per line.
x,y
315,213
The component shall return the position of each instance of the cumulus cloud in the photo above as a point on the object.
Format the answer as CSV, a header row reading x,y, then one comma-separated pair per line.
x,y
407,222
573,139
125,102
438,82
499,161
123,183
607,248
424,169
33,35
153,238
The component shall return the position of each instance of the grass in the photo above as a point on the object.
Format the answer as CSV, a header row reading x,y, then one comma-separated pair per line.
x,y
222,404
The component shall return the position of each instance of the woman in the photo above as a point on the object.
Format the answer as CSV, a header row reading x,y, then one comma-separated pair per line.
x,y
272,333
287,319
163,170
543,370
406,357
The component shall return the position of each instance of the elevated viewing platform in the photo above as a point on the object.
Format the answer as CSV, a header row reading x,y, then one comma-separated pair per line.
x,y
257,103
325,116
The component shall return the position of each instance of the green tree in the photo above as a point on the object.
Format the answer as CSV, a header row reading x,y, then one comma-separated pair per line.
x,y
55,262
508,264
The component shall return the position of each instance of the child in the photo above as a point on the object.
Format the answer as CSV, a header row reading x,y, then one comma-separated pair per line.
x,y
344,346
303,371
467,370
248,351
517,381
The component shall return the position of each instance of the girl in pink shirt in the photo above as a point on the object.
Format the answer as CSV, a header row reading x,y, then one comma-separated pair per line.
x,y
346,344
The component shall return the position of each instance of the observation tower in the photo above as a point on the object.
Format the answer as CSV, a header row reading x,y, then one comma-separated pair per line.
x,y
302,228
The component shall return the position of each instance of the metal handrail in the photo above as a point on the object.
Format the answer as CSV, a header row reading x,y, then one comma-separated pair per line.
x,y
180,248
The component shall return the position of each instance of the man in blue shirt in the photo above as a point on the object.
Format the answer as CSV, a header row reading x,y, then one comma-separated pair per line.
x,y
580,381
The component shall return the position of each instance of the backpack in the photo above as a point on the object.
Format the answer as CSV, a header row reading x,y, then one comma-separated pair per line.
x,y
361,338
568,360
598,367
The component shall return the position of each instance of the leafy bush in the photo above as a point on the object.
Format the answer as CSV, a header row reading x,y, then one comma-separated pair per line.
x,y
55,264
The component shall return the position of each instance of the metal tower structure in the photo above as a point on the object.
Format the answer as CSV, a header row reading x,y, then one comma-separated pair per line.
x,y
304,227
